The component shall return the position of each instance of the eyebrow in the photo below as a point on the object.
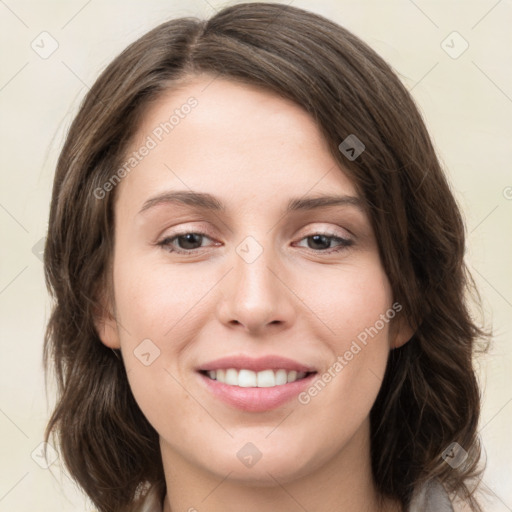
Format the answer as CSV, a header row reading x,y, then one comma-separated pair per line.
x,y
205,201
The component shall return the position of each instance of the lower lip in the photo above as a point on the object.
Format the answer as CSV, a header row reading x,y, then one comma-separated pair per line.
x,y
256,399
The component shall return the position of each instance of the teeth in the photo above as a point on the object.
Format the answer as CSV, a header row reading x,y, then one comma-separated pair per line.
x,y
231,377
246,379
265,379
292,376
282,377
249,379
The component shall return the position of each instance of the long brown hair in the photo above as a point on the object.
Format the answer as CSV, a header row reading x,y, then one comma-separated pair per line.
x,y
429,396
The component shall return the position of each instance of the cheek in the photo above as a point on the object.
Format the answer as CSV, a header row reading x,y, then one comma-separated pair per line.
x,y
357,310
155,300
351,298
155,308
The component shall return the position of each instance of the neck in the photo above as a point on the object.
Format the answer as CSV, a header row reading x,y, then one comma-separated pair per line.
x,y
343,483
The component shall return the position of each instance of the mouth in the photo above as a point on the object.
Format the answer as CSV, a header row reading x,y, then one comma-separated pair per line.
x,y
245,378
255,385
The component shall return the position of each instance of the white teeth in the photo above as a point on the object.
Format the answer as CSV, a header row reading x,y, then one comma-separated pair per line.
x,y
281,377
266,379
246,379
231,377
292,376
249,379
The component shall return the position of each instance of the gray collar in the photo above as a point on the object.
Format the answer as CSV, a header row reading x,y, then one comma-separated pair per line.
x,y
432,497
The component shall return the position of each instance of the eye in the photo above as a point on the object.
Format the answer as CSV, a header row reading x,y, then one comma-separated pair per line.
x,y
186,241
322,241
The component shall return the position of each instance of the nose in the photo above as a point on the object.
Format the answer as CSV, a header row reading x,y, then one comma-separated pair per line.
x,y
255,295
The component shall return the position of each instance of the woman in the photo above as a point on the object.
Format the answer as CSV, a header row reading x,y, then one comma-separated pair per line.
x,y
312,348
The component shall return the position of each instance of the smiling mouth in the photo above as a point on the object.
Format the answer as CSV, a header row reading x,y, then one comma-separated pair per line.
x,y
250,379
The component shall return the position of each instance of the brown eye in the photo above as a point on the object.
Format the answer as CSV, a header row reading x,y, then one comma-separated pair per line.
x,y
183,242
321,242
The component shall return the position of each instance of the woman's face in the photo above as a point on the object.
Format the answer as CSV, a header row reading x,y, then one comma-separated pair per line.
x,y
264,273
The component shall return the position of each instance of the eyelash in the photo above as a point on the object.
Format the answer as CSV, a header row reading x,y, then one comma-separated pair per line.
x,y
167,241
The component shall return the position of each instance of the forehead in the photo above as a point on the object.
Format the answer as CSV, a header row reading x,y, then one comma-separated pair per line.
x,y
244,144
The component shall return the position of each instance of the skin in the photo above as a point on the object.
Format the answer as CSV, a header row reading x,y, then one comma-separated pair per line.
x,y
253,151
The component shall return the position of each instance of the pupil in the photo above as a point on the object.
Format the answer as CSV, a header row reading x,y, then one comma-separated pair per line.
x,y
189,239
317,238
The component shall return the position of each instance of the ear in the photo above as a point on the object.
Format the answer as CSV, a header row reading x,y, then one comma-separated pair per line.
x,y
106,324
400,332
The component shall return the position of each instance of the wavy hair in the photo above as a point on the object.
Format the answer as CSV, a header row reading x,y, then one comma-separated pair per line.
x,y
429,396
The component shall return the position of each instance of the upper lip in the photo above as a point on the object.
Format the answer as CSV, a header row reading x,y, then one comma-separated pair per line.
x,y
269,362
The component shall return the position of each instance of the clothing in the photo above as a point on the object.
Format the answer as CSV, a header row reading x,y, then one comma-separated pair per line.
x,y
430,498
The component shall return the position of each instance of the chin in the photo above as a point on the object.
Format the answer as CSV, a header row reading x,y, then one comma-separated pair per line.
x,y
281,464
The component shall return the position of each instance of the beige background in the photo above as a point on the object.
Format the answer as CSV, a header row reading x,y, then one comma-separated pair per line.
x,y
466,102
